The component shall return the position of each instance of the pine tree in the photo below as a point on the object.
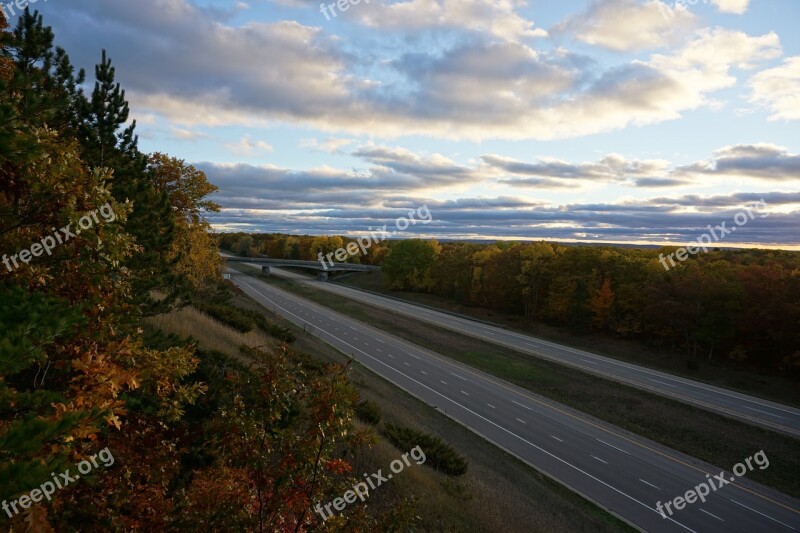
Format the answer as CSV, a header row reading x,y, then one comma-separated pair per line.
x,y
108,143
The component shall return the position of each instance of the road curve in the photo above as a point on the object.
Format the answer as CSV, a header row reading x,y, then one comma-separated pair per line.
x,y
765,413
620,471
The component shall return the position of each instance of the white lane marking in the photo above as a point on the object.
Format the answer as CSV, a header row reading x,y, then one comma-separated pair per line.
x,y
380,341
646,483
492,406
764,515
760,411
443,382
590,362
495,424
379,350
709,514
663,383
424,372
465,393
459,377
593,457
522,421
415,356
390,355
406,363
351,327
524,406
559,440
620,449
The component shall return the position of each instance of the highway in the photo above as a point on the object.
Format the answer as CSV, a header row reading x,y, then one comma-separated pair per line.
x,y
733,404
621,472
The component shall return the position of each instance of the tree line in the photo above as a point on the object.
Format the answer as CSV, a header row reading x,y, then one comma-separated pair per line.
x,y
736,307
739,307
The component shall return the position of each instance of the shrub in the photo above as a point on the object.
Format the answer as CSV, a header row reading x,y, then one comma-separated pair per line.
x,y
268,327
228,315
369,412
244,320
439,455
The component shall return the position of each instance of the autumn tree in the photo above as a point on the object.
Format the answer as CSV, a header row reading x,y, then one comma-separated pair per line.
x,y
194,254
408,263
602,302
324,245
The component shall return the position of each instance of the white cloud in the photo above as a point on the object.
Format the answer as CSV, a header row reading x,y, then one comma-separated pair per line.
x,y
188,135
247,148
497,18
330,145
473,89
737,7
778,89
627,25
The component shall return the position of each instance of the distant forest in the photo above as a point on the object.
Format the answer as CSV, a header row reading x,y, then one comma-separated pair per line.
x,y
738,307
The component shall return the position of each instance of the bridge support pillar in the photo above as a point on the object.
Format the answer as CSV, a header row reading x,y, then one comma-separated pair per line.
x,y
322,276
265,271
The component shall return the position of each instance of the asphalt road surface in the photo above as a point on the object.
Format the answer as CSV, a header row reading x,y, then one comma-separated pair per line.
x,y
733,404
620,471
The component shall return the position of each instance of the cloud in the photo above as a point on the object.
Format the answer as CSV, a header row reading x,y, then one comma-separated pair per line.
x,y
494,18
778,89
330,145
435,170
756,161
270,198
664,220
206,75
188,135
612,167
247,148
627,25
737,7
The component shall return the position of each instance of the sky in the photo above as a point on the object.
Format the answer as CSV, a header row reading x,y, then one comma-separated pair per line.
x,y
621,121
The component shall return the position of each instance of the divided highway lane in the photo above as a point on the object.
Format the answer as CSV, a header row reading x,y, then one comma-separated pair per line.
x,y
729,403
622,472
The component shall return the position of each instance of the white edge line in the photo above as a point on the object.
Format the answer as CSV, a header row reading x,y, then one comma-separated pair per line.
x,y
764,515
709,514
607,444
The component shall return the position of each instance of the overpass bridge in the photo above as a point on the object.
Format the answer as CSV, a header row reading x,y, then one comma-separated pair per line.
x,y
323,271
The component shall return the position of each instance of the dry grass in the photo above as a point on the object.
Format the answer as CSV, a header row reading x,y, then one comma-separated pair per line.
x,y
209,334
